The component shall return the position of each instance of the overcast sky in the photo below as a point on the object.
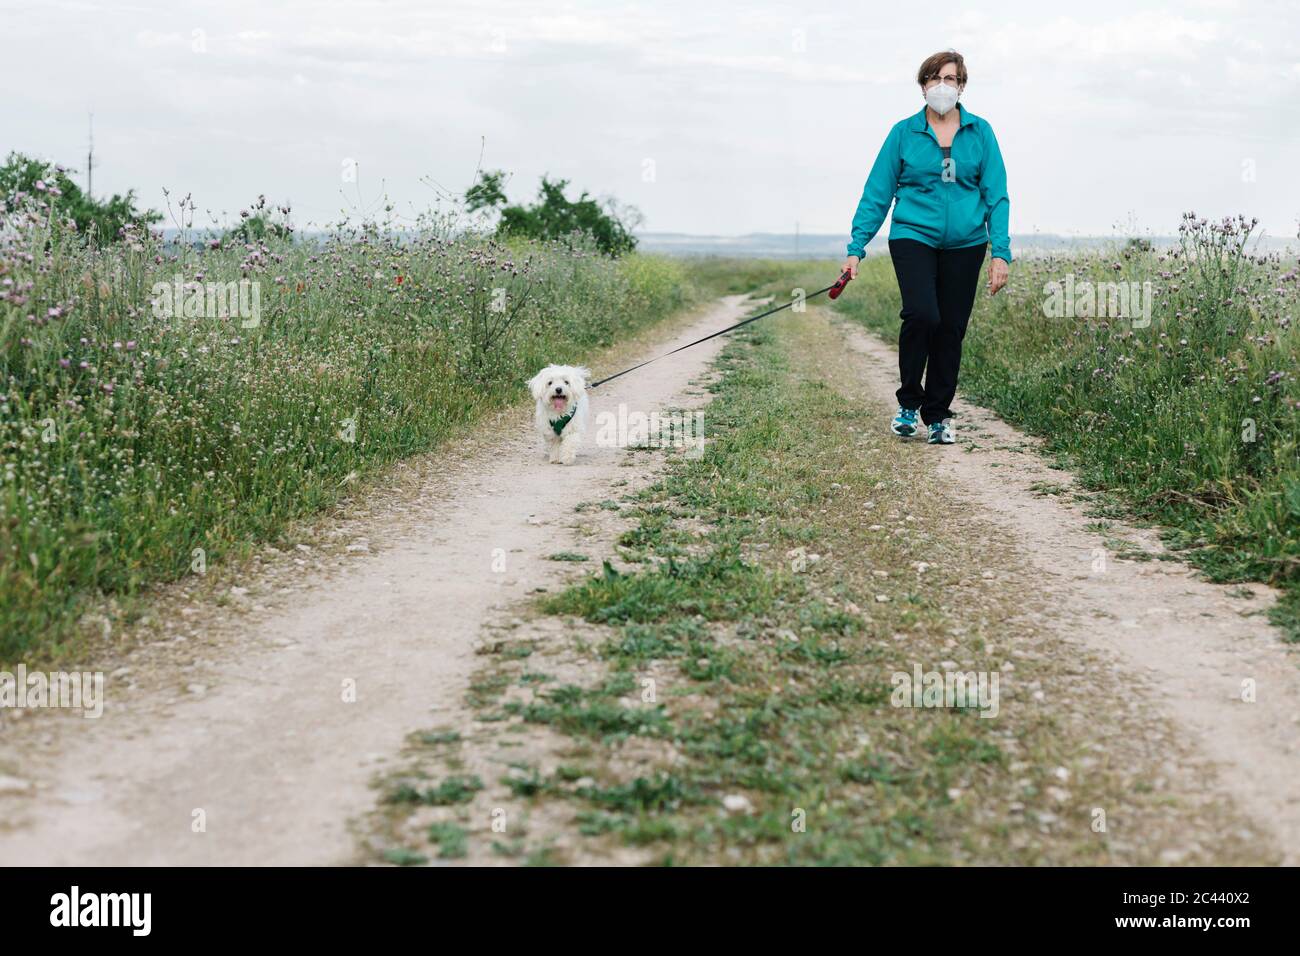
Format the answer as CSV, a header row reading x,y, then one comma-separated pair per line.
x,y
711,118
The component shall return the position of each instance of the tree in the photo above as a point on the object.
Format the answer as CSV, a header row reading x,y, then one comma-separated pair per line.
x,y
553,216
102,221
488,193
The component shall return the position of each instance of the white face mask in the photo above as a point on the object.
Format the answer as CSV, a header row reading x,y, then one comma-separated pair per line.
x,y
941,98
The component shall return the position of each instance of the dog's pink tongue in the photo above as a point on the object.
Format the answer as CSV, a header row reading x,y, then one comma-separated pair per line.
x,y
559,403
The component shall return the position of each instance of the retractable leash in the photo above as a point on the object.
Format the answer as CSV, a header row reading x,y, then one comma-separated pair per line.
x,y
834,293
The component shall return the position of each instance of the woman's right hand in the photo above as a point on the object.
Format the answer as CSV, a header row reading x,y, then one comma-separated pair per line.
x,y
851,266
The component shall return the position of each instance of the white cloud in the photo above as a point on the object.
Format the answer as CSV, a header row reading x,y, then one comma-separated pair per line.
x,y
153,40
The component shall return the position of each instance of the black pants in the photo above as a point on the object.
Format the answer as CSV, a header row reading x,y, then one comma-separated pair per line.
x,y
938,290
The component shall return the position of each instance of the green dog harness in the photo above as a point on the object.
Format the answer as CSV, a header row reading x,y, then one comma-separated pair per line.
x,y
558,423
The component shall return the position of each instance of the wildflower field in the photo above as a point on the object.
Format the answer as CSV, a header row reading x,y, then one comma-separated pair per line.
x,y
144,433
1185,401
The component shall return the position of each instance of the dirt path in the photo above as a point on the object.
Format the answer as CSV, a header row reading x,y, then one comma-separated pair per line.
x,y
1191,644
249,718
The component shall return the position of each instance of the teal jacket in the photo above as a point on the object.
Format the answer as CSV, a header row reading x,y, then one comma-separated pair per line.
x,y
966,208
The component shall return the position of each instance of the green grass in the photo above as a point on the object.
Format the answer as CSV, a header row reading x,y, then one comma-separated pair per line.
x,y
591,714
433,738
137,449
1193,420
451,839
404,857
451,791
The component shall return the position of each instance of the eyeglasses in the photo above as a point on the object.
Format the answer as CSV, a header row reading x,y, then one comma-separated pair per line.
x,y
948,78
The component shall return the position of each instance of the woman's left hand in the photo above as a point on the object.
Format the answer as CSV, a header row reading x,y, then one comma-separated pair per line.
x,y
997,275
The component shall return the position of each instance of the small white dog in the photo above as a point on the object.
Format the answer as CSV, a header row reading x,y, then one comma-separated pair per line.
x,y
561,395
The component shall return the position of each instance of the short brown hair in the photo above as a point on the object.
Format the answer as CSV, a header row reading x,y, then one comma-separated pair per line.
x,y
931,66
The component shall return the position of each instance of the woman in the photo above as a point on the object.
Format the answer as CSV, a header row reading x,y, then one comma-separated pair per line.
x,y
944,170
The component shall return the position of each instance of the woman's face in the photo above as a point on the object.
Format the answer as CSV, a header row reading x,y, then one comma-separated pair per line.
x,y
947,74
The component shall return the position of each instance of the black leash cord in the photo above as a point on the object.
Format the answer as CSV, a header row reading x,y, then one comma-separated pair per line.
x,y
838,286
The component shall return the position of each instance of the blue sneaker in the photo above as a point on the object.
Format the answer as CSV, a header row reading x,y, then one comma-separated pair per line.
x,y
904,424
941,433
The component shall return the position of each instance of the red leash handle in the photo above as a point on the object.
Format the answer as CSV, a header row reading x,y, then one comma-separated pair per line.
x,y
838,287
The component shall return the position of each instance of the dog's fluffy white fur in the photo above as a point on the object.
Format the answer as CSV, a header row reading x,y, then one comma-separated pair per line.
x,y
560,390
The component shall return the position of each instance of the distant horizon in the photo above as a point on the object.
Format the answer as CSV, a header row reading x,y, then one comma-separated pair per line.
x,y
811,245
779,245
